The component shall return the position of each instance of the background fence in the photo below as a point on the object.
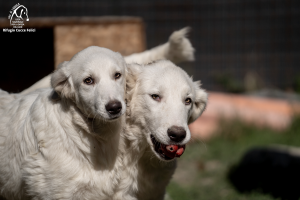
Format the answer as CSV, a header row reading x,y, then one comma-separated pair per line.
x,y
240,44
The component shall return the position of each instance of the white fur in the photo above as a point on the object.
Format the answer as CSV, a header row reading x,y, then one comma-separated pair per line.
x,y
145,174
65,146
60,162
52,138
177,49
43,83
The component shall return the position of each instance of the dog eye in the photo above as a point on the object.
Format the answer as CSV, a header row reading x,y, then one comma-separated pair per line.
x,y
188,101
88,81
155,97
117,75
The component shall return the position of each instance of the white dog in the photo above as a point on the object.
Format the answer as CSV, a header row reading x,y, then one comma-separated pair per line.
x,y
64,143
161,101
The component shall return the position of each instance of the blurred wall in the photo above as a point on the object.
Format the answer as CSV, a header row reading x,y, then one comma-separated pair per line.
x,y
29,56
239,43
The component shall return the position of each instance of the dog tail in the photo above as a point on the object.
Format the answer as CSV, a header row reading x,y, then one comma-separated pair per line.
x,y
177,49
180,48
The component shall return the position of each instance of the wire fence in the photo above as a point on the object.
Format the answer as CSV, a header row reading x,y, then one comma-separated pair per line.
x,y
238,43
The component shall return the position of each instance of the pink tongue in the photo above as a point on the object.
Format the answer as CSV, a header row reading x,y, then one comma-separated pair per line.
x,y
173,150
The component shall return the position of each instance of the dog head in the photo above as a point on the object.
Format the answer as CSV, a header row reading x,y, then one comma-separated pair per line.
x,y
164,100
94,79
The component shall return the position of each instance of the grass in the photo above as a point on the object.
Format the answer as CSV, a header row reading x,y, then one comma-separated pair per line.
x,y
201,172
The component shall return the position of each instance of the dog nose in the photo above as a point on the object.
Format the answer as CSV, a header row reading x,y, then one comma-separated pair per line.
x,y
176,133
113,107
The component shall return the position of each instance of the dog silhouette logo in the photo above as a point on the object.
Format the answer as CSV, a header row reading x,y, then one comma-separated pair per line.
x,y
17,15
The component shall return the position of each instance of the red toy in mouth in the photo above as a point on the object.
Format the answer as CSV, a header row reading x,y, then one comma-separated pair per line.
x,y
167,152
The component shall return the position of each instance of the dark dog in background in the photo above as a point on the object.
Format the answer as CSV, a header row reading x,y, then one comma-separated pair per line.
x,y
272,170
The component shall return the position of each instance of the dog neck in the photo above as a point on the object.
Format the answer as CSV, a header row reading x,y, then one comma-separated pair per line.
x,y
144,174
96,140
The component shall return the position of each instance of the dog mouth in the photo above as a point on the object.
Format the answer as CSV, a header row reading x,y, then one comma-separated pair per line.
x,y
114,117
167,152
108,119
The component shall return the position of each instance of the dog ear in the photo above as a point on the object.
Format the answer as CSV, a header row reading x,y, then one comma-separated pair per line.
x,y
61,83
132,73
199,103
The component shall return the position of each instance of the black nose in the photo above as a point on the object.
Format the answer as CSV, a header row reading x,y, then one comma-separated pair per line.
x,y
176,134
113,107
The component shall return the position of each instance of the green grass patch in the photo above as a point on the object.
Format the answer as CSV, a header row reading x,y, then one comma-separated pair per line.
x,y
202,170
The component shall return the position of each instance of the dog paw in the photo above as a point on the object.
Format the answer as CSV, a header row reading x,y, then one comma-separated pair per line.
x,y
180,47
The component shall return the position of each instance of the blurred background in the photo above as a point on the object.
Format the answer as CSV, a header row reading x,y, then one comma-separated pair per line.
x,y
247,58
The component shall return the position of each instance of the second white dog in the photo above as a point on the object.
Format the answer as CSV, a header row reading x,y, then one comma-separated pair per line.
x,y
161,101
